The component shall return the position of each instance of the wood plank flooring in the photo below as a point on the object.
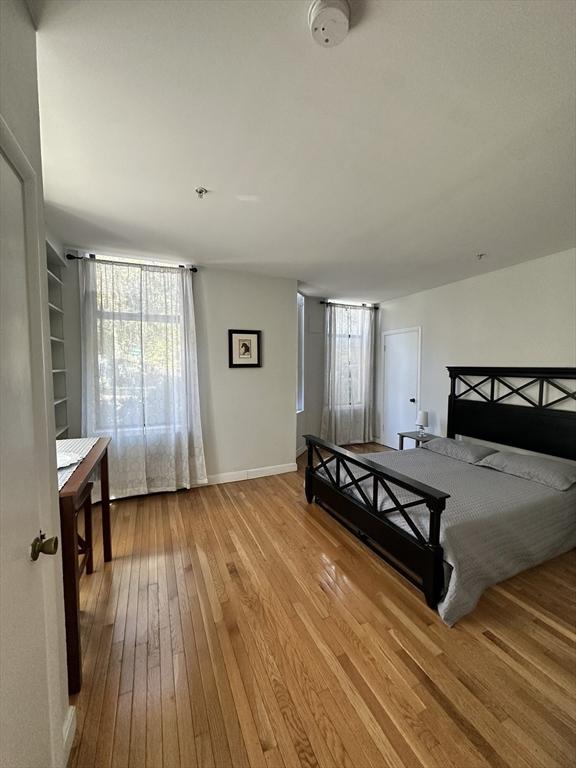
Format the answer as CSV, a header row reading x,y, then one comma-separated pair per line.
x,y
238,626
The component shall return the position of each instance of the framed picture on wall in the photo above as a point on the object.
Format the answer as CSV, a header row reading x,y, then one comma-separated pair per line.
x,y
244,349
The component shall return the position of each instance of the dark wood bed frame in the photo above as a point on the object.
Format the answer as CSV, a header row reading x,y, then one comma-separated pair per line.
x,y
476,409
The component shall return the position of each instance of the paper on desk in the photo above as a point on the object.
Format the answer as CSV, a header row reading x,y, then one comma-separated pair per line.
x,y
66,459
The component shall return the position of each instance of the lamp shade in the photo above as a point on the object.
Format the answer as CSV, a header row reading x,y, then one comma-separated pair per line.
x,y
422,419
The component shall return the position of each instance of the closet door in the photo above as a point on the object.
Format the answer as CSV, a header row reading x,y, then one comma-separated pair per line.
x,y
401,383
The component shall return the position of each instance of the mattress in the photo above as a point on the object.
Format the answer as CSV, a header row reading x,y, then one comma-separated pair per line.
x,y
494,525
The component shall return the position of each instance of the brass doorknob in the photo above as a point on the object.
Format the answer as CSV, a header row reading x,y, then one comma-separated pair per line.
x,y
44,546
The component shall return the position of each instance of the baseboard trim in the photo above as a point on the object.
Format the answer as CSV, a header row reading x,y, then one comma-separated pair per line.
x,y
279,469
251,474
226,477
68,732
300,451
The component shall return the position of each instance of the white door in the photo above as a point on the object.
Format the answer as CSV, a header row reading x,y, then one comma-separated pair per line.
x,y
32,699
400,383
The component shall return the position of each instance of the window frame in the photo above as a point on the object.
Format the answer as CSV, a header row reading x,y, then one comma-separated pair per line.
x,y
101,315
345,339
301,316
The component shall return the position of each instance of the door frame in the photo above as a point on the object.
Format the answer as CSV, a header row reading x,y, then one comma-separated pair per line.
x,y
383,335
62,716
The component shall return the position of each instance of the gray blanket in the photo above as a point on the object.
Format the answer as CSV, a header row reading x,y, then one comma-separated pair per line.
x,y
494,525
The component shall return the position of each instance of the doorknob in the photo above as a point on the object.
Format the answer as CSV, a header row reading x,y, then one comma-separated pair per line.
x,y
42,545
412,399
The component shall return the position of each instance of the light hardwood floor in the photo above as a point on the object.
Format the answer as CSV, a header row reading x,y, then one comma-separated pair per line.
x,y
239,626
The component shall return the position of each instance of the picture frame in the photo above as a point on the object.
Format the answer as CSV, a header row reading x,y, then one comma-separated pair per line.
x,y
244,348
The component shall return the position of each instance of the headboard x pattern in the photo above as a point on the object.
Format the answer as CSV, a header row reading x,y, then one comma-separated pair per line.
x,y
477,407
493,380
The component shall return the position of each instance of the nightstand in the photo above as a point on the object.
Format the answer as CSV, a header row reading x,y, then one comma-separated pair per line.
x,y
416,436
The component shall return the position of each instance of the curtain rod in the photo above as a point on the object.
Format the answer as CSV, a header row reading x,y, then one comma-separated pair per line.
x,y
351,306
92,257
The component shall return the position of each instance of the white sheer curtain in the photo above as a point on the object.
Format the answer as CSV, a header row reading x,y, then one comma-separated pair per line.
x,y
348,410
140,378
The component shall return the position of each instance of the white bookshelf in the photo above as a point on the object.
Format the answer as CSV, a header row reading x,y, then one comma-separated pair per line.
x,y
55,265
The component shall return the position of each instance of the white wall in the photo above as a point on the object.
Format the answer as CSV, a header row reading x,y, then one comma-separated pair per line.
x,y
19,108
19,86
523,315
309,419
248,415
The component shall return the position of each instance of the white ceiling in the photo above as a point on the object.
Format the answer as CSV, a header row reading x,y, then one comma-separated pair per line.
x,y
435,131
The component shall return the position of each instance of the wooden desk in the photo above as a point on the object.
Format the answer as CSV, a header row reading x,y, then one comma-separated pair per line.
x,y
72,498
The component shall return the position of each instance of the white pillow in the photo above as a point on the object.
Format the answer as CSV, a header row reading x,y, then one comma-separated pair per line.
x,y
554,474
458,449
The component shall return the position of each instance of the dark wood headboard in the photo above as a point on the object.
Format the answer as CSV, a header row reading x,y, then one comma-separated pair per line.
x,y
477,407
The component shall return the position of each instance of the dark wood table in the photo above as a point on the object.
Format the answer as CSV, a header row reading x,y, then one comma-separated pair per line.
x,y
74,495
418,438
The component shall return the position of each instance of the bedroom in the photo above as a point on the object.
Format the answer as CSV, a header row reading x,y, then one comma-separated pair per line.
x,y
362,215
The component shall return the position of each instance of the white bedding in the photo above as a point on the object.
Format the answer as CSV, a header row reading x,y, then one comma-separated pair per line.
x,y
494,525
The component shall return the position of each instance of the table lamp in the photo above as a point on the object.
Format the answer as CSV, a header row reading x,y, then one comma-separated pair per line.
x,y
422,421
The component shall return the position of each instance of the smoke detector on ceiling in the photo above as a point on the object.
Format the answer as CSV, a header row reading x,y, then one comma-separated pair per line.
x,y
329,21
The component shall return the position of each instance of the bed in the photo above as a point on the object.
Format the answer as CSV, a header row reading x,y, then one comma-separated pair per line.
x,y
454,528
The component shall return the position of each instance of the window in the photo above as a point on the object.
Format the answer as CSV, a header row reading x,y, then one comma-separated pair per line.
x,y
347,414
348,359
300,400
140,349
349,331
140,374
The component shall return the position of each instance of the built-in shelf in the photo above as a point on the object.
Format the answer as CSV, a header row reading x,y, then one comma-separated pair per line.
x,y
53,276
55,266
54,257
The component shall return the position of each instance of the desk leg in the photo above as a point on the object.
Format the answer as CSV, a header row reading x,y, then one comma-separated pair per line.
x,y
71,593
88,534
105,493
401,443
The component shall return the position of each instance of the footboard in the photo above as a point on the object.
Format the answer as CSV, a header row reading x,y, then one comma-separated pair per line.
x,y
364,502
